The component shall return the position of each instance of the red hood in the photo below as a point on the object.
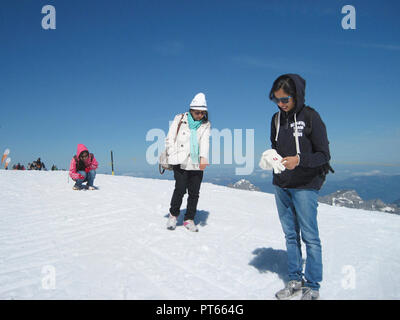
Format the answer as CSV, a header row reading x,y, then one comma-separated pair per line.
x,y
80,149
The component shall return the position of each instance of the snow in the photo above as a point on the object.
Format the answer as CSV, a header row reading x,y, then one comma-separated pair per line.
x,y
112,243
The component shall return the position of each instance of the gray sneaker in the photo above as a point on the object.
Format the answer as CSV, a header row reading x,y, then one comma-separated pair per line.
x,y
171,224
293,288
189,224
310,294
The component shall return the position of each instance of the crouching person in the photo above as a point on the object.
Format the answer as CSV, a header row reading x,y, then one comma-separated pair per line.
x,y
83,169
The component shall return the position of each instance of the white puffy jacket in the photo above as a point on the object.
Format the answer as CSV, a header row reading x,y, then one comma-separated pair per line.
x,y
179,150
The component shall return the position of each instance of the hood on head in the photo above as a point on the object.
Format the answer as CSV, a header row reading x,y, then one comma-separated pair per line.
x,y
300,84
80,149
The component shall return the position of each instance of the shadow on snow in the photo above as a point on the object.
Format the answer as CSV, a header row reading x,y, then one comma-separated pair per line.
x,y
271,260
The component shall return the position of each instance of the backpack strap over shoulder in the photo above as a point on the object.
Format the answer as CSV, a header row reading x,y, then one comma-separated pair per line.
x,y
179,125
277,121
309,112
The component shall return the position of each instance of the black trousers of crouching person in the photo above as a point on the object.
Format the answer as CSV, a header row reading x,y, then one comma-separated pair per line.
x,y
189,180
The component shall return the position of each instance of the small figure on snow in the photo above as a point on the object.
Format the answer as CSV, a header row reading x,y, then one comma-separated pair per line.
x,y
40,165
83,169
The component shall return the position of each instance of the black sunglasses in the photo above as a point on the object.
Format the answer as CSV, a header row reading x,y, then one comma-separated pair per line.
x,y
199,112
284,100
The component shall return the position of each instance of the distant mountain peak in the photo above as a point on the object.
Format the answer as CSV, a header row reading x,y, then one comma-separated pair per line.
x,y
244,184
351,199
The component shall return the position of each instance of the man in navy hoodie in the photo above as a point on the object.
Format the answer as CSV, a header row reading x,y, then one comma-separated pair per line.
x,y
299,137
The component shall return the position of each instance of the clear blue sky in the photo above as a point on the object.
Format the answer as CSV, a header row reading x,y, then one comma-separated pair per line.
x,y
112,70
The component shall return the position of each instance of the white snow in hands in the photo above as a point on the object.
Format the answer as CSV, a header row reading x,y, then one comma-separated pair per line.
x,y
112,243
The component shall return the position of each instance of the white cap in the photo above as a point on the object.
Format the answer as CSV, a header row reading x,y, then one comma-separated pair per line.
x,y
199,102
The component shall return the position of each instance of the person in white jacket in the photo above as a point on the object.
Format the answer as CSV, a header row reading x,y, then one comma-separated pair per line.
x,y
187,146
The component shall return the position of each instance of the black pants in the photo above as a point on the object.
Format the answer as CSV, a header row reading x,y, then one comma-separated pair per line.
x,y
186,180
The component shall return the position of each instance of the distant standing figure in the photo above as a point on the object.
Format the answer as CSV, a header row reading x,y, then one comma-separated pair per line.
x,y
187,147
40,165
83,168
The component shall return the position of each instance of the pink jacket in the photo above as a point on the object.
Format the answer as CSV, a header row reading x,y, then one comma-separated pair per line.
x,y
92,164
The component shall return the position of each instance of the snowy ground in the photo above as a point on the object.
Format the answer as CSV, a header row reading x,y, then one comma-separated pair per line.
x,y
56,243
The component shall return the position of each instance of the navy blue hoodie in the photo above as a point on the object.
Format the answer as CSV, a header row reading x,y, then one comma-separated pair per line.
x,y
314,146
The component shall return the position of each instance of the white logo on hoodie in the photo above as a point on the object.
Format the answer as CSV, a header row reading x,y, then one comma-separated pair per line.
x,y
300,127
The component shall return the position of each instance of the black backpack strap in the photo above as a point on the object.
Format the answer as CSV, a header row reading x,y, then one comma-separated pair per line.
x,y
308,113
276,120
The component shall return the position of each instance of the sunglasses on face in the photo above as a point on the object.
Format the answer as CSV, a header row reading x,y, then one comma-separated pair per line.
x,y
84,156
197,113
284,100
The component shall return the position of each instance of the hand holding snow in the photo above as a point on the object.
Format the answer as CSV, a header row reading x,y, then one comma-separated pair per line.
x,y
270,159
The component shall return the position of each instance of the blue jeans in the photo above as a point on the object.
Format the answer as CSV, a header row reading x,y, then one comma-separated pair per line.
x,y
297,210
89,177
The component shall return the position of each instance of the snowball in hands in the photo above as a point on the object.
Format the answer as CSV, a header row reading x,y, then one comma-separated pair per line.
x,y
270,159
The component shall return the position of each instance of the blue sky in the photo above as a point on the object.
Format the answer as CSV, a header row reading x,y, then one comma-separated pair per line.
x,y
113,70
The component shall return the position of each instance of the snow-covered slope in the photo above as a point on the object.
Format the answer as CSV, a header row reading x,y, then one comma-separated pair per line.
x,y
56,243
